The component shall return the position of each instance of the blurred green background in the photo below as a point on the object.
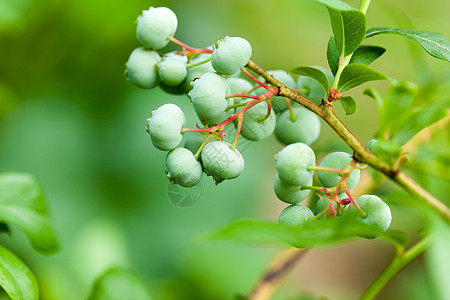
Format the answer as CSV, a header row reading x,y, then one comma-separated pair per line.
x,y
68,116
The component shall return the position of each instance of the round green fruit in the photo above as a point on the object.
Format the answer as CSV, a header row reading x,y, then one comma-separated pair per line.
x,y
290,193
293,162
230,55
378,217
155,26
141,68
172,69
165,125
208,95
295,215
254,130
238,86
222,162
305,128
337,160
182,168
197,71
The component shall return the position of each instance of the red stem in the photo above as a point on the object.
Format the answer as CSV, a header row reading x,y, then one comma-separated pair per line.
x,y
242,95
254,79
184,46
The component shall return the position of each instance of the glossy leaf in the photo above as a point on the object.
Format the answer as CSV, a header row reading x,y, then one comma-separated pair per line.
x,y
418,121
372,93
435,44
308,234
349,105
118,284
356,74
332,55
366,54
15,277
22,204
385,149
314,73
348,25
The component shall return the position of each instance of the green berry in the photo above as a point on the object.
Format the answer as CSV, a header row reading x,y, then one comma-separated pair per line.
x,y
279,103
337,160
164,126
379,215
197,71
230,55
305,128
320,205
141,68
293,162
182,168
290,193
238,86
254,130
172,69
194,141
221,162
314,91
155,26
208,95
295,215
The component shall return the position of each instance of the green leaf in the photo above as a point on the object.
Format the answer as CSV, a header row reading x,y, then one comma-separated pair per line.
x,y
349,105
366,54
314,73
348,25
418,121
435,44
4,228
22,204
15,277
118,284
308,234
356,74
332,55
385,149
372,93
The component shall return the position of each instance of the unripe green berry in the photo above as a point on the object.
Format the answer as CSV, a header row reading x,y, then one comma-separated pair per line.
x,y
320,205
254,130
197,71
313,90
379,215
165,125
141,68
290,193
293,162
194,141
278,102
305,128
182,168
172,69
221,162
155,26
230,55
337,160
208,95
295,215
238,86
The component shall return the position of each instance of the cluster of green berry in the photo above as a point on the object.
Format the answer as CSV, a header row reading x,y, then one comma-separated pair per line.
x,y
223,91
338,173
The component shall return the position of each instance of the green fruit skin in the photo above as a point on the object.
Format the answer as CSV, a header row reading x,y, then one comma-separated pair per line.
x,y
221,162
155,26
238,86
141,68
252,129
230,55
379,215
182,168
293,162
305,129
315,91
194,141
164,126
279,103
172,70
337,160
197,71
290,193
208,95
320,205
295,215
